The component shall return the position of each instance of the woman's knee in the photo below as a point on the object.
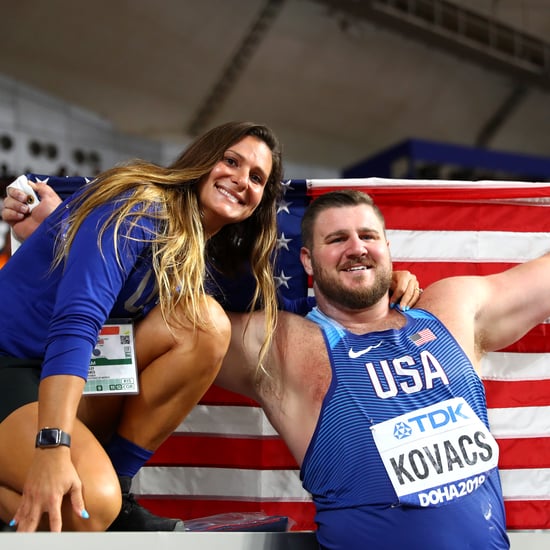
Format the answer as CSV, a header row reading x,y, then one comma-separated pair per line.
x,y
103,500
220,325
106,507
100,484
206,346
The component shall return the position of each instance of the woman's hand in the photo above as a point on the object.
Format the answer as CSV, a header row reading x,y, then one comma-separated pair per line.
x,y
17,214
405,290
51,477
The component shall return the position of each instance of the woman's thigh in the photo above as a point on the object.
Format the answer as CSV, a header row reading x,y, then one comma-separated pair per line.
x,y
18,395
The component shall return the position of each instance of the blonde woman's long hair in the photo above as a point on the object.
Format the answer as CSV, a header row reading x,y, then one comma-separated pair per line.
x,y
180,250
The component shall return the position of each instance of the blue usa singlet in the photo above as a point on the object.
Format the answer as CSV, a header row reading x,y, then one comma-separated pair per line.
x,y
401,456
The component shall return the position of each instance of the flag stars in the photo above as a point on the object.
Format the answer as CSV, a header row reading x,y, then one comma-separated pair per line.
x,y
282,242
286,186
283,206
282,280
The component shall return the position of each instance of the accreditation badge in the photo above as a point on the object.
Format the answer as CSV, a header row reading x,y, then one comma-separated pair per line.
x,y
113,367
436,454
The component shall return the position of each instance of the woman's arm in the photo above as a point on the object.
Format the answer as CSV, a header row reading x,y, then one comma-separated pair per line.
x,y
52,474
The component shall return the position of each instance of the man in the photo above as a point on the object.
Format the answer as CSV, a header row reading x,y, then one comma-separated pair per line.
x,y
384,410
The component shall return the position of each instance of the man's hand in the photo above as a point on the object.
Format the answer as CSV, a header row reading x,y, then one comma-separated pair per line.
x,y
18,215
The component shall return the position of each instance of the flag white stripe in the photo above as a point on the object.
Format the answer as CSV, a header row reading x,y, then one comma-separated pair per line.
x,y
284,485
513,422
531,484
227,420
505,366
520,422
227,483
423,184
251,421
466,246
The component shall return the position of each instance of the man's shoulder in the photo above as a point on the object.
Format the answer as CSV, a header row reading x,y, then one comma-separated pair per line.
x,y
301,353
295,326
298,340
449,294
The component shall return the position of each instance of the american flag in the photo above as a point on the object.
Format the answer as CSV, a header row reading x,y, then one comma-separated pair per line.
x,y
225,457
423,336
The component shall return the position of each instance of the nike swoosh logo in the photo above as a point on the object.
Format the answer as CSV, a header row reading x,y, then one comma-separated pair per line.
x,y
355,354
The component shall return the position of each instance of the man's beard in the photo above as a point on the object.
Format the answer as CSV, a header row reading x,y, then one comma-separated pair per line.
x,y
352,298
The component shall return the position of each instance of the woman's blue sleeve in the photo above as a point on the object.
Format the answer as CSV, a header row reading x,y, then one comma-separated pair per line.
x,y
300,306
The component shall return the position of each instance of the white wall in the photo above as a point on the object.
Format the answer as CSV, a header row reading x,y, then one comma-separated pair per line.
x,y
27,115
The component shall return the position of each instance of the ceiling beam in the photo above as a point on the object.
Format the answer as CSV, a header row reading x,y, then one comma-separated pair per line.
x,y
475,37
235,66
501,115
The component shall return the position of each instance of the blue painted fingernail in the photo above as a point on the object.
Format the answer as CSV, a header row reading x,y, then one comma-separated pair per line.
x,y
12,523
85,514
392,305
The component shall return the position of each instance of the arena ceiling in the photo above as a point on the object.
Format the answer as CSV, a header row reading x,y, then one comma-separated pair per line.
x,y
338,80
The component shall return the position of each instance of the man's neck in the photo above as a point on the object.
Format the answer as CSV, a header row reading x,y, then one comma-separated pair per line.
x,y
378,316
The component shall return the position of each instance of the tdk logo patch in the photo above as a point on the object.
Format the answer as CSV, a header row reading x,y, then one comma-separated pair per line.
x,y
432,420
402,430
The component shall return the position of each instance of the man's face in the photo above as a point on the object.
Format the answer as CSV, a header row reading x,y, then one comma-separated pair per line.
x,y
350,259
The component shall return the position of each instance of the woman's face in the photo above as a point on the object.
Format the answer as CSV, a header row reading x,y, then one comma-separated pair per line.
x,y
235,186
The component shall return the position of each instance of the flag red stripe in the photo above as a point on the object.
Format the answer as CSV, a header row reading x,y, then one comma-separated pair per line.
x,y
452,195
301,514
518,453
517,393
465,217
219,396
537,340
429,272
527,514
224,452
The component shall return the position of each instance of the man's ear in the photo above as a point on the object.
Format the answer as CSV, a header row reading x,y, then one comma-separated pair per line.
x,y
305,258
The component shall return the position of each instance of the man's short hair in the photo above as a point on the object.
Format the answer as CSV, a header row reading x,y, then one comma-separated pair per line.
x,y
334,199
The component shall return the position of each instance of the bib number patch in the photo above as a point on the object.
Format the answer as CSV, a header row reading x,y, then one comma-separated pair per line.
x,y
436,454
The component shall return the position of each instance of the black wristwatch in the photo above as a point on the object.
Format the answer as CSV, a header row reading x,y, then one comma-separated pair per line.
x,y
52,437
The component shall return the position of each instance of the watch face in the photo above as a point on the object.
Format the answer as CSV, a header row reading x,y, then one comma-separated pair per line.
x,y
48,437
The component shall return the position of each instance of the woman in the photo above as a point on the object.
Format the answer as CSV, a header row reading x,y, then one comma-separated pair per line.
x,y
221,252
137,236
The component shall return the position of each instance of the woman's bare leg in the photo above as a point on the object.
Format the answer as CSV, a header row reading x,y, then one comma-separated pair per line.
x,y
176,367
100,484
